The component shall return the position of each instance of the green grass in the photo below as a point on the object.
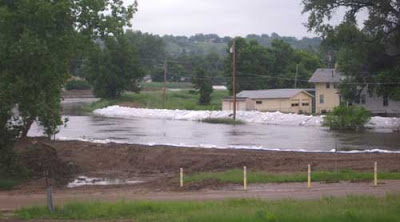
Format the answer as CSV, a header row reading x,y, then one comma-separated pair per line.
x,y
170,85
328,209
223,121
9,183
153,100
236,176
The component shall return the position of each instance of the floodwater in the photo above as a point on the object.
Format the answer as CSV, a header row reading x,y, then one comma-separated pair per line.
x,y
193,133
92,181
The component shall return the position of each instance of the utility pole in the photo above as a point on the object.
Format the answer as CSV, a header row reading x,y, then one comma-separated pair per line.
x,y
165,82
297,73
234,77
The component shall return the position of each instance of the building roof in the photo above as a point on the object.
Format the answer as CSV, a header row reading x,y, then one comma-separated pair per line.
x,y
271,93
326,75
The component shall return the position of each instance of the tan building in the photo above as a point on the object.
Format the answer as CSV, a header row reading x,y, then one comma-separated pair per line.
x,y
327,95
282,100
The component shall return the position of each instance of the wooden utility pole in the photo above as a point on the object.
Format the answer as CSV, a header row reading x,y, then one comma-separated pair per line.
x,y
297,73
234,77
165,82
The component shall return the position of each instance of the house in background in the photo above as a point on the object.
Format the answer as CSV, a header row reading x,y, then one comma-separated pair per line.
x,y
327,95
282,100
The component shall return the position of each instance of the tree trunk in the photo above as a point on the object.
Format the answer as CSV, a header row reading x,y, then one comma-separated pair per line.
x,y
26,128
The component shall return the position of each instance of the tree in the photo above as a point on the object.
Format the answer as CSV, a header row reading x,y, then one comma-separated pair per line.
x,y
259,67
114,68
38,40
203,84
347,118
150,48
367,55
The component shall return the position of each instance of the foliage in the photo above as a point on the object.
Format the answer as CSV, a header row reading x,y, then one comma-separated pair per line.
x,y
203,44
38,41
153,100
269,68
327,209
236,176
367,55
169,85
150,48
204,86
222,121
114,68
347,118
78,84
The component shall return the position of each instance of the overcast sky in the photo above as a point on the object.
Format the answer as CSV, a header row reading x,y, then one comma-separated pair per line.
x,y
223,17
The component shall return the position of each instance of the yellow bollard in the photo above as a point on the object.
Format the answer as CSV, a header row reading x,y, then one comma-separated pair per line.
x,y
309,177
244,178
181,177
376,174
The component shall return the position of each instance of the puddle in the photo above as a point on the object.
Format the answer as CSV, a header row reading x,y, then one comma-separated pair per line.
x,y
93,181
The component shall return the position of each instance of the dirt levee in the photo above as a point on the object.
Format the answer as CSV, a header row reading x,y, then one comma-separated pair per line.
x,y
128,160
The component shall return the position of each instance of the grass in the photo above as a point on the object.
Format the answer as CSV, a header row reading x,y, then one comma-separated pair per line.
x,y
223,121
153,100
236,176
170,85
9,183
328,209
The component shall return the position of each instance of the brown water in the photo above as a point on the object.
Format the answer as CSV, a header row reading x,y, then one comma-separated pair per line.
x,y
193,133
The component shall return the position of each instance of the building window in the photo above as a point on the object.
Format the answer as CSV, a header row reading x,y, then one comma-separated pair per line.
x,y
385,101
363,99
258,102
295,104
335,85
321,99
305,104
328,85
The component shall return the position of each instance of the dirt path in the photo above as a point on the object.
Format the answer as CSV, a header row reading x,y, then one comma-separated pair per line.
x,y
11,201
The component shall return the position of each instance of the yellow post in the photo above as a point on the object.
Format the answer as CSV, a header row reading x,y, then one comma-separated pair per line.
x,y
309,177
244,178
376,174
181,177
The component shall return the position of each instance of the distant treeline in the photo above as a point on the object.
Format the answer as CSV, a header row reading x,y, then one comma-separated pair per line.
x,y
207,51
202,44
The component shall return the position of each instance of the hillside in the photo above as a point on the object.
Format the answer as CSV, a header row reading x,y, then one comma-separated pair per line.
x,y
203,44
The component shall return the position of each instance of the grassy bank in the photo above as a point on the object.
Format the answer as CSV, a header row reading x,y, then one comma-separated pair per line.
x,y
228,121
352,208
236,176
170,85
153,100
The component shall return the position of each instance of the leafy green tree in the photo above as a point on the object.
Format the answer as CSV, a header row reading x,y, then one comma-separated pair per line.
x,y
150,48
114,68
347,118
204,86
38,40
259,67
367,55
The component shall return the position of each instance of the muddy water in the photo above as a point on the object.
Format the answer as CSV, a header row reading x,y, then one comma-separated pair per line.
x,y
192,133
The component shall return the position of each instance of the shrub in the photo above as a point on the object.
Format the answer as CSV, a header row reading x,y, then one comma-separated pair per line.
x,y
347,118
78,85
223,121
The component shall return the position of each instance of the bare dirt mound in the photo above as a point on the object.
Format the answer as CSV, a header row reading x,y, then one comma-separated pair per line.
x,y
41,159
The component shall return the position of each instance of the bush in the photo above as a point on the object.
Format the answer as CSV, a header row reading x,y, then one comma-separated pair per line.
x,y
78,85
228,121
347,118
